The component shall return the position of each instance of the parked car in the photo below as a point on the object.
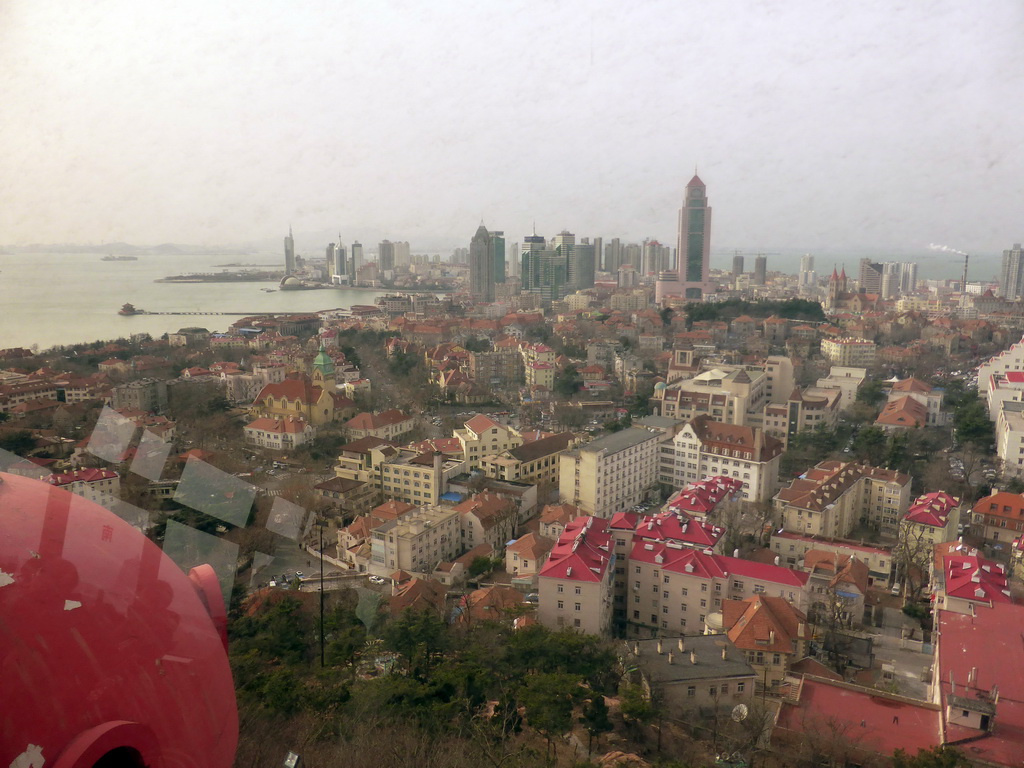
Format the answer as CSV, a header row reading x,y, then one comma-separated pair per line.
x,y
377,580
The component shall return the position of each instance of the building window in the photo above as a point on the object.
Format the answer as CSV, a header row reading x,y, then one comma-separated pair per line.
x,y
691,691
561,604
560,588
579,591
740,687
579,607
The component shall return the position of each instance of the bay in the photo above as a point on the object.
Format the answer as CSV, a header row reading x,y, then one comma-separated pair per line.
x,y
48,299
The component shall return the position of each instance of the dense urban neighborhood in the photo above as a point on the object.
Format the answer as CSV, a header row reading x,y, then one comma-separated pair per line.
x,y
588,504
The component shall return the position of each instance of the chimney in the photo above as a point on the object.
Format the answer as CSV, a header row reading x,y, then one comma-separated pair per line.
x,y
723,653
660,651
670,657
771,637
636,649
681,644
693,657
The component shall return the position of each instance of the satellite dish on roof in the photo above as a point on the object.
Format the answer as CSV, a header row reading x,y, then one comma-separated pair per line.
x,y
739,713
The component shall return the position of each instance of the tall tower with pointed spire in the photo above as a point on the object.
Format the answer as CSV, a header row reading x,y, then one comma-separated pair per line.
x,y
289,254
692,280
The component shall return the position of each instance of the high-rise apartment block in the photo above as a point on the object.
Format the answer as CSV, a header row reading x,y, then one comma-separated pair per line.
x,y
871,276
1011,283
612,256
693,254
808,277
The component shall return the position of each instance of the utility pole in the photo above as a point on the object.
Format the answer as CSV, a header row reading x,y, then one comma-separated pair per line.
x,y
321,526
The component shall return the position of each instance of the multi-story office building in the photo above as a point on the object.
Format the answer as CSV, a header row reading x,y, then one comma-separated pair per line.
x,y
402,255
834,497
693,253
545,270
657,257
611,473
583,266
805,410
1011,282
289,253
704,447
486,263
536,462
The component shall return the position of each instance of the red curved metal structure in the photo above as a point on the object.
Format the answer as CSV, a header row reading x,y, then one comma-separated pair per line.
x,y
110,655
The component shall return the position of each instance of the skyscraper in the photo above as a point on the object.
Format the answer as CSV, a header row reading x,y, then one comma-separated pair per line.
x,y
808,279
386,255
355,262
612,256
585,257
486,263
760,269
870,276
329,267
737,264
544,270
289,253
1011,283
693,254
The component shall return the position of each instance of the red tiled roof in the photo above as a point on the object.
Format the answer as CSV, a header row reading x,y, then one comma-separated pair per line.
x,y
582,553
932,509
481,423
978,652
871,720
281,426
970,577
903,412
81,476
376,420
704,495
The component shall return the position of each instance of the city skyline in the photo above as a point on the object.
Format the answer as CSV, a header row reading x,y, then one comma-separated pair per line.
x,y
816,124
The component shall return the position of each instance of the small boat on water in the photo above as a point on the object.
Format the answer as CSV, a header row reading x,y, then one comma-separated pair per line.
x,y
112,257
269,290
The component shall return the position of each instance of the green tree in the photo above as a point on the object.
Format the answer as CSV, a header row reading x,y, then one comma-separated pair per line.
x,y
869,444
20,442
871,392
549,700
418,637
636,707
595,719
568,382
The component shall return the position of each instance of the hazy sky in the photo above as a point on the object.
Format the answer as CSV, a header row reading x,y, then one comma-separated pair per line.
x,y
813,123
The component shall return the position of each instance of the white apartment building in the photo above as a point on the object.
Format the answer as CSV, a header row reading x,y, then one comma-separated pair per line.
x,y
847,380
575,584
1010,437
1010,359
706,447
99,485
611,473
416,542
849,352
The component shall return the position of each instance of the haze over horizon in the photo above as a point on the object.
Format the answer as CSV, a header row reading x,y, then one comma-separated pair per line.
x,y
815,125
